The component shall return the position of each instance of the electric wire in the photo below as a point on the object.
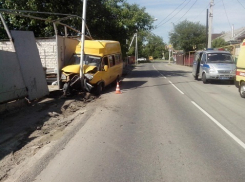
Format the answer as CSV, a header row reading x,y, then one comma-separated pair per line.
x,y
226,14
188,10
196,17
173,16
171,13
241,4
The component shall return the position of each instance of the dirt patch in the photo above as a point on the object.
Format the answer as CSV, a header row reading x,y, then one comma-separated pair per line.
x,y
25,131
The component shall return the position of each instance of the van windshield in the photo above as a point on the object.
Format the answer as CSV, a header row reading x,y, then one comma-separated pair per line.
x,y
88,60
219,57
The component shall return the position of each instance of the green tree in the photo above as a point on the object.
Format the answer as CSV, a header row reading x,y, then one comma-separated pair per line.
x,y
39,27
154,46
188,36
219,42
106,19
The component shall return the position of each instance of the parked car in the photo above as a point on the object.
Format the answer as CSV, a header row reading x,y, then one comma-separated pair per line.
x,y
214,65
141,59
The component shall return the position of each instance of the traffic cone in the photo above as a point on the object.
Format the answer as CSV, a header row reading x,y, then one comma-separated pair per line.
x,y
118,91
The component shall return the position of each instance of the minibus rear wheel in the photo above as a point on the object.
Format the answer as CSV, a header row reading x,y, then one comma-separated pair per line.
x,y
242,89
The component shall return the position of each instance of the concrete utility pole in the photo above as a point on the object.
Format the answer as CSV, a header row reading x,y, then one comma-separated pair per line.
x,y
82,40
136,49
169,55
207,30
210,23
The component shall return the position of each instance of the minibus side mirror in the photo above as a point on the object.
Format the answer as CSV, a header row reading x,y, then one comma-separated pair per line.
x,y
106,68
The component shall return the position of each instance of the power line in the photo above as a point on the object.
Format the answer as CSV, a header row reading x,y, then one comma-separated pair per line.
x,y
226,13
173,16
241,4
171,12
188,10
196,17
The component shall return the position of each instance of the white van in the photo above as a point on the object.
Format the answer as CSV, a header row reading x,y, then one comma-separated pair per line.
x,y
214,65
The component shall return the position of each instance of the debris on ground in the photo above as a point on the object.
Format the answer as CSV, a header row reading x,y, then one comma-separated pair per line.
x,y
25,131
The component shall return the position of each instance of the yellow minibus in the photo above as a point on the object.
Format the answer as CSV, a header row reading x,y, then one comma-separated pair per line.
x,y
102,62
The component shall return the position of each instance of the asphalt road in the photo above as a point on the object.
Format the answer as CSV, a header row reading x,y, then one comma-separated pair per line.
x,y
165,126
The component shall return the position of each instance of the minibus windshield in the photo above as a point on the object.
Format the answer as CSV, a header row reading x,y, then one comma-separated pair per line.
x,y
219,58
88,60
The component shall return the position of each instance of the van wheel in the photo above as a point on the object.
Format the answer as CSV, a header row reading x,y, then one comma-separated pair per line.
x,y
67,89
204,79
99,89
242,89
197,71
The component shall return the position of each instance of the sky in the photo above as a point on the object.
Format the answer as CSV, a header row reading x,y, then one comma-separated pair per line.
x,y
226,13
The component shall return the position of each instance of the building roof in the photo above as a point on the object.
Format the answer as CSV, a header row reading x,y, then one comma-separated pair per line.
x,y
238,36
215,35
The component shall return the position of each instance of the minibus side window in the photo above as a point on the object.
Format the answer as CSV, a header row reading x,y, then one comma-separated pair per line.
x,y
120,58
112,60
104,62
117,60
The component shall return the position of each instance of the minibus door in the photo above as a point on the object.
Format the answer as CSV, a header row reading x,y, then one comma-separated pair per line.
x,y
105,76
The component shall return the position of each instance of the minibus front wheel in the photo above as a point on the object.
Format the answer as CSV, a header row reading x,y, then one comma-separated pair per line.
x,y
67,89
242,89
99,88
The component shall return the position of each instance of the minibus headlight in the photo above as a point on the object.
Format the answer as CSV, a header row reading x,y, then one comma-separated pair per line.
x,y
63,76
88,76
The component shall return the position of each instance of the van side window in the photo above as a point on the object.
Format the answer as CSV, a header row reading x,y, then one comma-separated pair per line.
x,y
197,57
112,60
105,59
203,58
117,60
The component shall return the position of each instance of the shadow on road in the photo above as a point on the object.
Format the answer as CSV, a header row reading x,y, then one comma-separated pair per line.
x,y
159,73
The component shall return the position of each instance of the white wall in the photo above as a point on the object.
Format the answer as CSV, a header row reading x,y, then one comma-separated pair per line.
x,y
30,64
12,85
47,50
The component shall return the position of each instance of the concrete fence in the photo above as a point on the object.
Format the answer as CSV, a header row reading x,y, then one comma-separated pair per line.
x,y
21,62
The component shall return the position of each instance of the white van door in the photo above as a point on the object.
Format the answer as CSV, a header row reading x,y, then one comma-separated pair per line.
x,y
202,63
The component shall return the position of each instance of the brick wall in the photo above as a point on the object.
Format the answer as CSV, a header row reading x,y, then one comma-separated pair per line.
x,y
6,46
47,49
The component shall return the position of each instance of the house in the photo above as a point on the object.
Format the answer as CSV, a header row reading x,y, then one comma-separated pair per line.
x,y
234,37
